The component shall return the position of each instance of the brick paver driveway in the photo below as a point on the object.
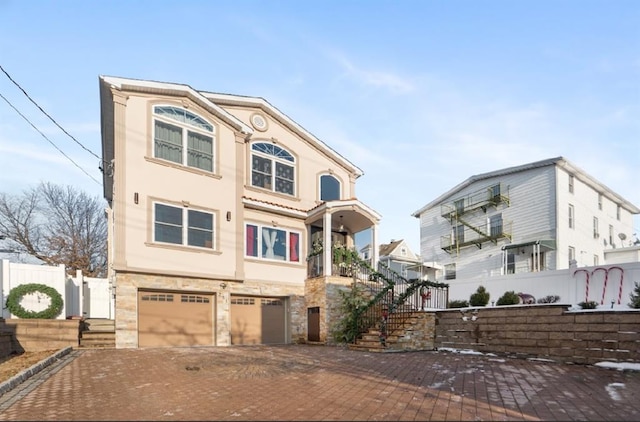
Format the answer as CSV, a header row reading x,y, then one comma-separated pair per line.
x,y
298,382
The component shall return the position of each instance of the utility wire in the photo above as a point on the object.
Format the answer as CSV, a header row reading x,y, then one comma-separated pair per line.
x,y
45,137
46,114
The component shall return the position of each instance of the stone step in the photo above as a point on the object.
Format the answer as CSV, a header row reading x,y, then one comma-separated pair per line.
x,y
103,339
99,324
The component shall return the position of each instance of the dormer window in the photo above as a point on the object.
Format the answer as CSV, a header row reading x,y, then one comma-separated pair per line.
x,y
272,168
183,137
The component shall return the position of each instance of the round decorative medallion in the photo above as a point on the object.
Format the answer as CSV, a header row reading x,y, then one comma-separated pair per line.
x,y
259,122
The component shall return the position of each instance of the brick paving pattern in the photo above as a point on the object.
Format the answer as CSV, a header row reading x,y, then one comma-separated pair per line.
x,y
305,383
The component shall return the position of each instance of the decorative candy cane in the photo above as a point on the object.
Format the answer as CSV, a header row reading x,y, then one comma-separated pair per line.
x,y
621,279
606,276
586,297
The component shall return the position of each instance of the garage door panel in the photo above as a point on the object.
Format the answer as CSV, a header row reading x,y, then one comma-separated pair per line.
x,y
257,320
174,319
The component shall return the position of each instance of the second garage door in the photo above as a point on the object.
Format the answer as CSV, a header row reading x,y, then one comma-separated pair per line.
x,y
257,320
174,319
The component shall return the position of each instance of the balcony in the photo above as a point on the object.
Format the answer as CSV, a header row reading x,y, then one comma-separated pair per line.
x,y
480,199
475,235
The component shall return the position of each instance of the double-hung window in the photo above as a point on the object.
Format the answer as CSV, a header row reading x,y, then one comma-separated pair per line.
x,y
572,217
272,168
183,137
183,226
272,243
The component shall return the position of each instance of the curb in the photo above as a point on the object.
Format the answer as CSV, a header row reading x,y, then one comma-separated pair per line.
x,y
21,377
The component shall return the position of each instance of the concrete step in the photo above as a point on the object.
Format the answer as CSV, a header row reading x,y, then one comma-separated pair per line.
x,y
99,324
95,339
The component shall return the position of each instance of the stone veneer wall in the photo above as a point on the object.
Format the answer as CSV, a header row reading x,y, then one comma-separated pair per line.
x,y
324,292
543,331
421,334
127,285
32,335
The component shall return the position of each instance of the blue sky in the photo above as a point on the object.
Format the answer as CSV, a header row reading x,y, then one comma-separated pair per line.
x,y
419,94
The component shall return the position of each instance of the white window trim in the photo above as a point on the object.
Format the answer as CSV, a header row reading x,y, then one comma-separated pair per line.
x,y
185,226
185,130
259,243
293,164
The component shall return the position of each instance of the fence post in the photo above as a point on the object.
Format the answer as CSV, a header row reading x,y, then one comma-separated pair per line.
x,y
4,286
80,282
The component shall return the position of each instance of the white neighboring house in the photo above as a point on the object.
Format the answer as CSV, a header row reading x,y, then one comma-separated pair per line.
x,y
545,215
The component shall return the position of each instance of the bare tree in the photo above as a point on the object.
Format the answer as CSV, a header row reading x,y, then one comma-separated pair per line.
x,y
59,225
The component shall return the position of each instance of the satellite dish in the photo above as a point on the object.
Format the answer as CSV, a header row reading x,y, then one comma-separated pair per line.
x,y
622,236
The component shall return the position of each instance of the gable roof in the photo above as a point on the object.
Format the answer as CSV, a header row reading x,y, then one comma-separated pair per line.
x,y
569,167
387,249
212,102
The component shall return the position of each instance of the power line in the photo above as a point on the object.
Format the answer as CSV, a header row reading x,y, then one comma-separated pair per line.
x,y
45,137
46,114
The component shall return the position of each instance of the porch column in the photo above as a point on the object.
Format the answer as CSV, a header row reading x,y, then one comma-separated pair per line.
x,y
326,242
374,246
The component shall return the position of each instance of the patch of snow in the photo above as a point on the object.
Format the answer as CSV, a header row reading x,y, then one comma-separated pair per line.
x,y
621,366
612,390
541,360
461,351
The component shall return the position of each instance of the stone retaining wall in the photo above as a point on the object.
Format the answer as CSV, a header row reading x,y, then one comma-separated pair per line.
x,y
543,331
31,335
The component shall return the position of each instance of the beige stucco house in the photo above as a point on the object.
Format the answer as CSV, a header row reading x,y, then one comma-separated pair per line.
x,y
214,203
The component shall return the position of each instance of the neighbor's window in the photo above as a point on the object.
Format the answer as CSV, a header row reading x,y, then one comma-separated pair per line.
x,y
329,188
450,271
570,183
272,243
571,217
272,168
572,255
596,228
618,212
596,260
495,224
183,137
459,234
600,201
183,226
611,235
494,193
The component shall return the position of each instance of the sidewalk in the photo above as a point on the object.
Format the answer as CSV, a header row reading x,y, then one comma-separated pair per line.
x,y
302,382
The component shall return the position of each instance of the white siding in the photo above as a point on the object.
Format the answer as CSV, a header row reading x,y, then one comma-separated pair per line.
x,y
529,216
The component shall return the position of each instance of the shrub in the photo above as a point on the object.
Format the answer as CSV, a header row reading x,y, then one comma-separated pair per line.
x,y
480,297
508,298
347,327
549,299
635,297
458,304
592,304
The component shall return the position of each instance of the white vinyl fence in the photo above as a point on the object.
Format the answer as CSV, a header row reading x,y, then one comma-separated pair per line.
x,y
83,296
608,285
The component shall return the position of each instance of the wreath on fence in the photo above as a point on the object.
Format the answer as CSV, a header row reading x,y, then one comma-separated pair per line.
x,y
16,294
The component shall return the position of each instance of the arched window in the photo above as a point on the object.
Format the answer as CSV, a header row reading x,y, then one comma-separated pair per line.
x,y
272,168
329,188
183,137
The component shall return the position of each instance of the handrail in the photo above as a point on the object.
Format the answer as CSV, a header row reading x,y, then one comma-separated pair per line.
x,y
393,298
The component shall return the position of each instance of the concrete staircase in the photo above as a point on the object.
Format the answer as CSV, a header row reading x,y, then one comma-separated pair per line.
x,y
98,333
